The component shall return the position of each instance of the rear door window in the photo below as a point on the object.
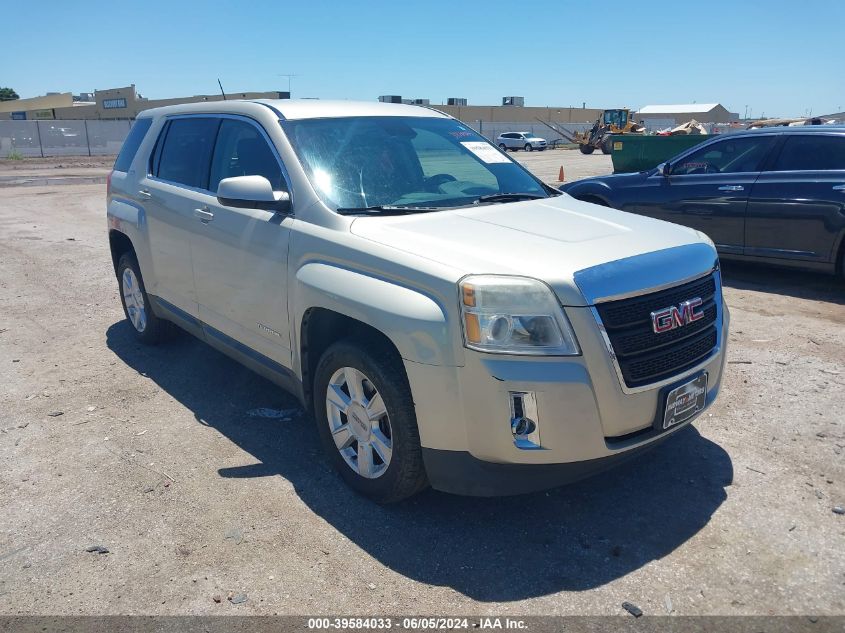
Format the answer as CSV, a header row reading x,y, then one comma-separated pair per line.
x,y
131,144
815,152
242,150
186,152
728,156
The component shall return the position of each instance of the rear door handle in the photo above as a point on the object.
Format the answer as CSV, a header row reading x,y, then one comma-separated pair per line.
x,y
203,215
145,194
839,188
731,188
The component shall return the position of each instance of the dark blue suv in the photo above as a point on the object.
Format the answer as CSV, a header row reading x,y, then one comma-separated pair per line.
x,y
775,195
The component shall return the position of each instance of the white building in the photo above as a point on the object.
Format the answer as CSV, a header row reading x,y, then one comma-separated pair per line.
x,y
662,116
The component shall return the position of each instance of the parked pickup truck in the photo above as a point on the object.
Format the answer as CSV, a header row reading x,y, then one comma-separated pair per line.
x,y
445,317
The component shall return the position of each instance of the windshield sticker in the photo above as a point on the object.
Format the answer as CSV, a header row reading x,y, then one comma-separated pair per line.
x,y
486,152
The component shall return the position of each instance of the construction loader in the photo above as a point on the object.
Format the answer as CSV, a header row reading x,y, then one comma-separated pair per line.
x,y
598,137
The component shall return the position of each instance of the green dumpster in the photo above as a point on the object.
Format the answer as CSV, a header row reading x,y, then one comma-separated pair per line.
x,y
640,152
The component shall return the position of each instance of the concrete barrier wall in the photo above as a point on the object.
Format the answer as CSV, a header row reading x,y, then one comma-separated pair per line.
x,y
62,138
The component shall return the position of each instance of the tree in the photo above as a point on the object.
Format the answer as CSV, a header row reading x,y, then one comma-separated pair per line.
x,y
7,94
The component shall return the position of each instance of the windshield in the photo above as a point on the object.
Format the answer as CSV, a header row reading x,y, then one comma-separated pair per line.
x,y
409,162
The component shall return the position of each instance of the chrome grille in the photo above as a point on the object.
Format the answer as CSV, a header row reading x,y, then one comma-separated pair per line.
x,y
645,357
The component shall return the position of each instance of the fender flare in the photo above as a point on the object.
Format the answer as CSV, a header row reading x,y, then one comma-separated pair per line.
x,y
592,189
415,322
130,219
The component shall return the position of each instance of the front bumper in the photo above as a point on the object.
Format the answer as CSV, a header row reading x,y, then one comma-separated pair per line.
x,y
587,422
458,472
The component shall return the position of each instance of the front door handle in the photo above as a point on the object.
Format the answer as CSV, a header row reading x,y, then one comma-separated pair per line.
x,y
731,188
839,188
144,193
204,215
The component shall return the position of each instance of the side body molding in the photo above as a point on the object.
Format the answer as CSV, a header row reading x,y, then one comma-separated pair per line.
x,y
415,322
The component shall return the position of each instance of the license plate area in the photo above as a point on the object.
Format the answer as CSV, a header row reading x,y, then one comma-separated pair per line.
x,y
685,401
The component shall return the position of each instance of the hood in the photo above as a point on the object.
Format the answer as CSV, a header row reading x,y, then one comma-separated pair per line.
x,y
611,181
575,247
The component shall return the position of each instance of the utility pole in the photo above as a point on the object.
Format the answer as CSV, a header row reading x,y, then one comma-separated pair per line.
x,y
289,76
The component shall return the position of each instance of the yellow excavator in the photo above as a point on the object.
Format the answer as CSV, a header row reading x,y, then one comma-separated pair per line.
x,y
598,137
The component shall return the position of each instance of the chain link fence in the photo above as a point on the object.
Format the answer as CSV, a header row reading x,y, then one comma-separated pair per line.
x,y
62,138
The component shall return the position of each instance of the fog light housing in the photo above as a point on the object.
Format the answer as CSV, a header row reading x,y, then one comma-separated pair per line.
x,y
524,421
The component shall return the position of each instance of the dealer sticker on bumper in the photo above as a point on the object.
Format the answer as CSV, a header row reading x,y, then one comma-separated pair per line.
x,y
685,401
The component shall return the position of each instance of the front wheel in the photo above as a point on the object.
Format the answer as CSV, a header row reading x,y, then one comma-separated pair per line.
x,y
529,147
366,419
586,149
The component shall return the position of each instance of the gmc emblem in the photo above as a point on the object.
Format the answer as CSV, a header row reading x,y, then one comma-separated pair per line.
x,y
676,316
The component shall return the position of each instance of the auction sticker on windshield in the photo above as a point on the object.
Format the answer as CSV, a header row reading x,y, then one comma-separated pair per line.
x,y
486,152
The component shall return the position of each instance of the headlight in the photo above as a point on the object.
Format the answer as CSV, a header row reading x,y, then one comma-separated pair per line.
x,y
514,315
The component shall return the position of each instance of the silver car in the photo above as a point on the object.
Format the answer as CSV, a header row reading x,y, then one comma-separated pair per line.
x,y
520,140
445,318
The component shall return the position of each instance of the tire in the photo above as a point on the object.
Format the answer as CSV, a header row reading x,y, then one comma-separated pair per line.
x,y
393,433
607,146
529,147
503,147
146,326
842,261
586,149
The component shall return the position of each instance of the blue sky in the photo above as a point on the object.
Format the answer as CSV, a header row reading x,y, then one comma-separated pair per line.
x,y
777,58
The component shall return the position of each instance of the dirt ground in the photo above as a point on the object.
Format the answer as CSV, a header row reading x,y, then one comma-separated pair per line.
x,y
153,454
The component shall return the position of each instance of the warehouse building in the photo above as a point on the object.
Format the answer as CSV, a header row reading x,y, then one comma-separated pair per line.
x,y
516,114
114,103
661,116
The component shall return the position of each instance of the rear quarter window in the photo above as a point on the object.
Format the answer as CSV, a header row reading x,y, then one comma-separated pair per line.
x,y
816,152
131,144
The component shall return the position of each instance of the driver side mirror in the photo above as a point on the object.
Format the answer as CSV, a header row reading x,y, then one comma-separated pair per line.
x,y
252,192
667,169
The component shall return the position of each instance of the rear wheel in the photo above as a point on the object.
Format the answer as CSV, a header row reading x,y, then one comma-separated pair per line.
x,y
148,328
586,149
503,147
367,421
607,146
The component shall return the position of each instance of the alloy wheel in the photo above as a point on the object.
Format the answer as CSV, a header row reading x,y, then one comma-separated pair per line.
x,y
359,423
133,298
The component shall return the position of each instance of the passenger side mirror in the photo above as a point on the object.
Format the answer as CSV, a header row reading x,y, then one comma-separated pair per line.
x,y
667,169
252,192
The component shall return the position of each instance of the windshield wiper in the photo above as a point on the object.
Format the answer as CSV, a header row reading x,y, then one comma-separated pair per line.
x,y
386,209
507,197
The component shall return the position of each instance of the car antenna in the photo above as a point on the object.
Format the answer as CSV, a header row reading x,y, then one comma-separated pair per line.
x,y
221,89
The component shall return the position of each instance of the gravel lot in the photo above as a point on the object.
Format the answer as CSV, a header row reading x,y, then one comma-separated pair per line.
x,y
152,453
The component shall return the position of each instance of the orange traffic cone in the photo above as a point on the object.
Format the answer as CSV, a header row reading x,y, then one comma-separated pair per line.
x,y
560,175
